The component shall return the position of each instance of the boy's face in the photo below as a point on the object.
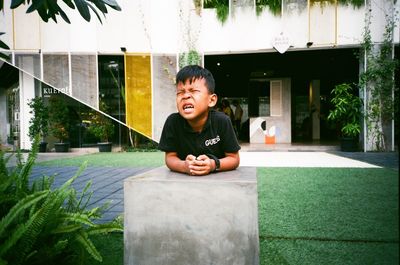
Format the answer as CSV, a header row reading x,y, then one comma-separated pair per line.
x,y
193,99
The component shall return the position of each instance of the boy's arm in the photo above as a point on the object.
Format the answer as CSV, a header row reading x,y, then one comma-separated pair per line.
x,y
201,165
229,162
174,163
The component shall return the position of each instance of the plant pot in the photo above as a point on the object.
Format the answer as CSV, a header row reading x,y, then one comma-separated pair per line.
x,y
61,147
105,147
349,144
42,147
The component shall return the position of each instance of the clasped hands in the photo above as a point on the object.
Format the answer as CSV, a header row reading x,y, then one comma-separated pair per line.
x,y
199,166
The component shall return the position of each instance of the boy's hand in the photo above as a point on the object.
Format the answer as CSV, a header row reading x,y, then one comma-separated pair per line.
x,y
200,166
189,163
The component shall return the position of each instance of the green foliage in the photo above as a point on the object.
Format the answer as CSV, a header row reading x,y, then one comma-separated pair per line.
x,y
275,6
39,123
355,3
100,125
378,81
49,9
190,58
222,7
3,46
347,110
40,225
59,118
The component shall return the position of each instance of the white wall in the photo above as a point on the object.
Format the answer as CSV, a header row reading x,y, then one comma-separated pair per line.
x,y
158,26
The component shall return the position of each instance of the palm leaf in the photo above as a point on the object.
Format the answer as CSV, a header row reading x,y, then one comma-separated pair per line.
x,y
83,9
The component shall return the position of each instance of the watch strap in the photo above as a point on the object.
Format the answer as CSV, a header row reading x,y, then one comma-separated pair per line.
x,y
217,163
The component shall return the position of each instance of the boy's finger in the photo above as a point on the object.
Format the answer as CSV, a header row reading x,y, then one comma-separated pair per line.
x,y
191,158
202,157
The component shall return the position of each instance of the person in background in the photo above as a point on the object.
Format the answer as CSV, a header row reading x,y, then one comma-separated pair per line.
x,y
226,108
238,116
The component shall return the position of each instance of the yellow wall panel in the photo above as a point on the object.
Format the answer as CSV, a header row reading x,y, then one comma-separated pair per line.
x,y
138,93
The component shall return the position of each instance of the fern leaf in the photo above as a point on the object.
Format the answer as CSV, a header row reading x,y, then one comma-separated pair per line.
x,y
15,236
41,218
62,229
105,228
88,245
3,164
71,180
77,218
20,207
60,246
84,193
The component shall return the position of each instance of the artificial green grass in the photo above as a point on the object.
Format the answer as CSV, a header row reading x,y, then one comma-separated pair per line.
x,y
314,216
328,216
111,247
126,159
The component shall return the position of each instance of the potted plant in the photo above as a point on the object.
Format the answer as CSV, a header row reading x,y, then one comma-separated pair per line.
x,y
347,113
39,123
102,127
59,123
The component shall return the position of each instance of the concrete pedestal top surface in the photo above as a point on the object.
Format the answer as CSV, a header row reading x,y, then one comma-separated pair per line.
x,y
173,218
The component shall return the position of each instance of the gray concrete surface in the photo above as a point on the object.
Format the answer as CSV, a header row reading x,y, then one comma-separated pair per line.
x,y
174,219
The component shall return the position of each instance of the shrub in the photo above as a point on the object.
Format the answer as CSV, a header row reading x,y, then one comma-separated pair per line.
x,y
41,225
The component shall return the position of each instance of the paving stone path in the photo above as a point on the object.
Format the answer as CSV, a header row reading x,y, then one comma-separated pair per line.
x,y
107,184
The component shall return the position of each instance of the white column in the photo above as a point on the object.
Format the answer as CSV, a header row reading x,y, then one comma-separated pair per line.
x,y
27,92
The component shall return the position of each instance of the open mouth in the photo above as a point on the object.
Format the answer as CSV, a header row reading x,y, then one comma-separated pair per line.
x,y
188,107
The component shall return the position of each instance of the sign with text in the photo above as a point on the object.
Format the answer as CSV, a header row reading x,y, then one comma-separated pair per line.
x,y
281,43
48,91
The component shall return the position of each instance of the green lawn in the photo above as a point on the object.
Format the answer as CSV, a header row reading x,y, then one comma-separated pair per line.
x,y
328,216
306,215
126,159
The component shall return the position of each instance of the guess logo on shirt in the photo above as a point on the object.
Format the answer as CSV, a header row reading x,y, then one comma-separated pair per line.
x,y
212,141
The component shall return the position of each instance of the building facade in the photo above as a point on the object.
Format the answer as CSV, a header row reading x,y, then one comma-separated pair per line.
x,y
281,64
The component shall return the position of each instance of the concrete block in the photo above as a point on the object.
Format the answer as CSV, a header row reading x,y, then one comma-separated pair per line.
x,y
173,219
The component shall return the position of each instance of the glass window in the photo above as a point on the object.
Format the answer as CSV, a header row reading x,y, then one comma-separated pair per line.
x,y
112,85
259,98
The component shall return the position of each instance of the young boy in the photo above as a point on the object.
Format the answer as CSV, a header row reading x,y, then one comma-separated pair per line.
x,y
198,140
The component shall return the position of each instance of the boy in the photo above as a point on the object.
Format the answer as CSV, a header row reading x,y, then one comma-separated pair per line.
x,y
198,140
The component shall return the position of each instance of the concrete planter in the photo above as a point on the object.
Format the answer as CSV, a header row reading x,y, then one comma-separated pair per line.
x,y
42,147
61,147
105,147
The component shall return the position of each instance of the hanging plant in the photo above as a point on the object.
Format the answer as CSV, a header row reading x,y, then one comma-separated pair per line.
x,y
222,7
190,58
354,3
378,81
275,6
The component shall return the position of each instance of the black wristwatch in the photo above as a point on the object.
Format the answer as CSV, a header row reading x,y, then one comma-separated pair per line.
x,y
217,163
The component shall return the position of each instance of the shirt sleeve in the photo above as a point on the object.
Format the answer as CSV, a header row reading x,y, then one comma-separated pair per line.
x,y
168,136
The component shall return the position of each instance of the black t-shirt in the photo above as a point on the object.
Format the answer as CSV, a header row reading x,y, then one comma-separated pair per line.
x,y
216,138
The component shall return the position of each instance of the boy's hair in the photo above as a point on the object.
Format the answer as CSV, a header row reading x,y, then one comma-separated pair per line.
x,y
195,72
